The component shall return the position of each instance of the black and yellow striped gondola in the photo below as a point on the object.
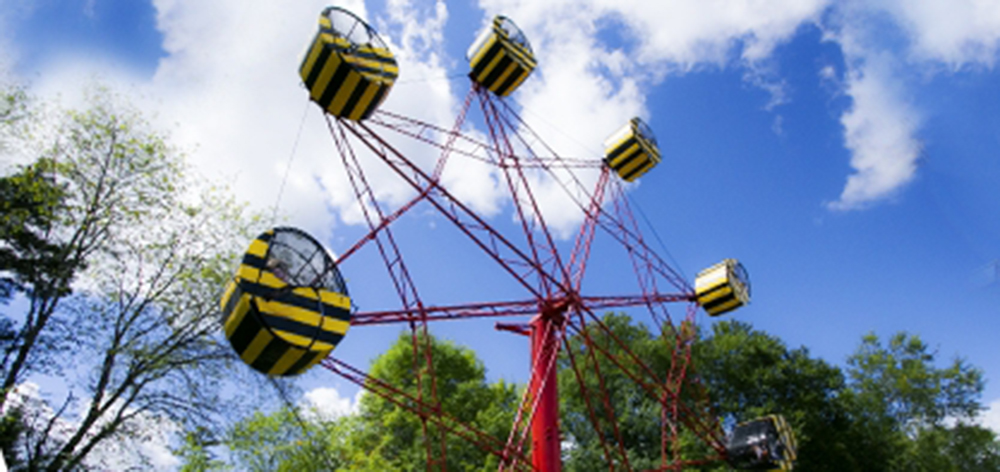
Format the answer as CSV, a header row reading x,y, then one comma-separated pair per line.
x,y
632,150
348,69
501,57
287,307
766,443
723,287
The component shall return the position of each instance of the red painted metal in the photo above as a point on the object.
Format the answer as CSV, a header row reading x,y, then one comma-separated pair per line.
x,y
553,282
508,309
382,234
470,147
545,444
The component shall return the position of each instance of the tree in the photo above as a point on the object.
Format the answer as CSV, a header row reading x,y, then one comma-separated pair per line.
x,y
901,384
15,114
284,441
147,251
751,373
636,412
900,401
115,173
28,203
195,452
382,435
894,410
889,412
393,434
151,326
29,200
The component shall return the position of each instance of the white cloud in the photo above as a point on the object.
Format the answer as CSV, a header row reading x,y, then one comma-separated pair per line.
x,y
679,34
230,82
880,132
585,89
991,417
955,32
147,446
228,87
325,403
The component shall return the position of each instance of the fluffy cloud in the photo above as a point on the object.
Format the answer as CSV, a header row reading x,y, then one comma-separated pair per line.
x,y
879,130
228,86
325,403
585,89
228,82
991,417
881,41
956,32
228,89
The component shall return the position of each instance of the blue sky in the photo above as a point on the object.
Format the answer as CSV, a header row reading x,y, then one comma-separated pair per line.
x,y
846,152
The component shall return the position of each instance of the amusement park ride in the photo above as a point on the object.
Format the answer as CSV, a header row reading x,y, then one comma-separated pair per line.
x,y
288,307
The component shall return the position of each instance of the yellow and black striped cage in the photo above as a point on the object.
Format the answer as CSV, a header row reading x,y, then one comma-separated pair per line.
x,y
788,440
501,57
348,69
632,150
287,307
723,287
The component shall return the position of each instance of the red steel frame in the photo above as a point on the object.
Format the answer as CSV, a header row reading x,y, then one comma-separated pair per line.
x,y
556,302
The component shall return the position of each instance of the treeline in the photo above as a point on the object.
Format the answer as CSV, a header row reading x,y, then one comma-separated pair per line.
x,y
893,407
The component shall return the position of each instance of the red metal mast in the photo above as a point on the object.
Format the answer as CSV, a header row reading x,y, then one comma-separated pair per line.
x,y
545,443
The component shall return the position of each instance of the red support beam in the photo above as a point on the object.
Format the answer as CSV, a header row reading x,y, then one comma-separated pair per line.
x,y
545,444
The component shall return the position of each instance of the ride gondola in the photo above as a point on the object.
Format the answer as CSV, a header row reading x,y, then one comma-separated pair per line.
x,y
632,150
501,57
766,443
287,307
348,70
723,287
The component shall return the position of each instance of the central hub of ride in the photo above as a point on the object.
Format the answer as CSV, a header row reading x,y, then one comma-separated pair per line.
x,y
545,329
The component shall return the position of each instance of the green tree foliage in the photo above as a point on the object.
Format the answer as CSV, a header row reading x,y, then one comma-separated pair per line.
x,y
134,254
395,435
15,115
751,374
284,441
633,408
195,453
887,413
893,408
29,201
900,402
115,173
383,435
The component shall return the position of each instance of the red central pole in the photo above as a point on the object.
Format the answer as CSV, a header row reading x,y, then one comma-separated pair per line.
x,y
545,447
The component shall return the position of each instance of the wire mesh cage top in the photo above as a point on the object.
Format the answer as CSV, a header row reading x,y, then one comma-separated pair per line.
x,y
645,131
347,25
514,34
506,26
299,260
